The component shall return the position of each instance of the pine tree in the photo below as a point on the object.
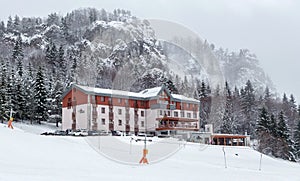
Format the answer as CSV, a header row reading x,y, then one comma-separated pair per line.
x,y
297,141
297,137
248,107
284,143
227,125
18,50
3,92
263,132
30,105
40,97
9,25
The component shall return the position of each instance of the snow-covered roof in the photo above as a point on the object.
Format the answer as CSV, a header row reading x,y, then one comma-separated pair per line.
x,y
109,91
152,92
182,97
145,94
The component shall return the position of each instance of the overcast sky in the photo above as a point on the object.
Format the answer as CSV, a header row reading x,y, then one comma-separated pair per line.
x,y
268,28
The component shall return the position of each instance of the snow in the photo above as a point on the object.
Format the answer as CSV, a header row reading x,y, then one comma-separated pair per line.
x,y
27,156
182,97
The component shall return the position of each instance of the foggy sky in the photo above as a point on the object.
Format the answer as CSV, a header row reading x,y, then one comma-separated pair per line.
x,y
268,28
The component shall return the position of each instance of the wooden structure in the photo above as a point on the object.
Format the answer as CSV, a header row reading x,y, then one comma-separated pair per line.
x,y
229,139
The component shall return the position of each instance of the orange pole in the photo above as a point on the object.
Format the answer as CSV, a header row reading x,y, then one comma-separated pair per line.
x,y
9,124
144,159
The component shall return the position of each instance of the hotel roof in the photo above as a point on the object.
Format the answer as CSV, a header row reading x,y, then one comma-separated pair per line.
x,y
145,94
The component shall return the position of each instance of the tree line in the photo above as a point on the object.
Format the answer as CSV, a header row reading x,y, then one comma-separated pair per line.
x,y
273,122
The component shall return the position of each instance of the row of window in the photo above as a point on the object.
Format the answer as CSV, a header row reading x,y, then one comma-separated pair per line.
x,y
120,100
120,111
120,122
175,113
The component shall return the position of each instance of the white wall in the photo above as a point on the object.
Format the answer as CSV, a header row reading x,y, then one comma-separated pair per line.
x,y
81,117
66,118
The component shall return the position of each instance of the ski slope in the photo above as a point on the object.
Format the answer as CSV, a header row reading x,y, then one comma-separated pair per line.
x,y
25,155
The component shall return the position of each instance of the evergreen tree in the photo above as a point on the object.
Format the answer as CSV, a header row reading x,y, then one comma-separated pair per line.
x,y
40,96
30,105
62,65
17,50
2,29
9,25
263,132
3,92
297,141
248,107
227,125
284,143
267,99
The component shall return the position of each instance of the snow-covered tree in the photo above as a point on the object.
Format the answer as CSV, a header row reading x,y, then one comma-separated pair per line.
x,y
40,97
284,143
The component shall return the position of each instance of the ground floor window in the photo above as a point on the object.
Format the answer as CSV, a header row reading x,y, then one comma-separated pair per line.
x,y
120,122
103,121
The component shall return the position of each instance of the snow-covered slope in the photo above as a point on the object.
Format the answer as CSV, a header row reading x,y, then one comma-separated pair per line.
x,y
27,156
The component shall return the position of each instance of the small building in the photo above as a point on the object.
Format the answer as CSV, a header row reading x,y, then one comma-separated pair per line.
x,y
153,110
209,137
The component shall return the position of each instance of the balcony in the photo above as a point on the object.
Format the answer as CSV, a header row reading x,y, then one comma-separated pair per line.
x,y
175,123
111,126
159,106
171,106
95,126
127,128
73,116
136,128
136,117
111,115
94,115
73,125
127,116
163,127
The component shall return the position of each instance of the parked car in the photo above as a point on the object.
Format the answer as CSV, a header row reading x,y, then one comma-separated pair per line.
x,y
60,133
94,133
47,133
116,133
80,132
70,132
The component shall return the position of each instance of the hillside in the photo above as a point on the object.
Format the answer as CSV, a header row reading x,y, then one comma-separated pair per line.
x,y
28,156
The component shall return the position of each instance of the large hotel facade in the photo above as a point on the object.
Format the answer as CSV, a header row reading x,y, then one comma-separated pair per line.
x,y
152,110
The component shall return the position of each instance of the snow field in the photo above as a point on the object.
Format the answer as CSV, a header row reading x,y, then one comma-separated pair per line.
x,y
27,156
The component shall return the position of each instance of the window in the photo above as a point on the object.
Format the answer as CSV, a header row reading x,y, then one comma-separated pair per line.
x,y
102,99
142,113
120,100
120,122
126,101
119,111
103,121
169,113
175,114
142,124
182,114
188,105
194,115
188,115
127,122
142,103
69,103
103,110
160,112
